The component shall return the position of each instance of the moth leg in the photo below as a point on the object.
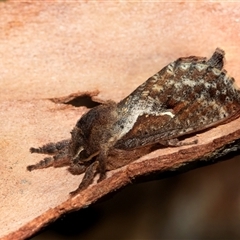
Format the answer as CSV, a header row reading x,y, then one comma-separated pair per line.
x,y
101,158
87,179
76,169
102,171
51,148
59,160
176,143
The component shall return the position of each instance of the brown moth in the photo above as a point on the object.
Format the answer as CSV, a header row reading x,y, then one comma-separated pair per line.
x,y
189,95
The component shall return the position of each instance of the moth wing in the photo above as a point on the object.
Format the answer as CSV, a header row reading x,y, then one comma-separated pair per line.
x,y
188,95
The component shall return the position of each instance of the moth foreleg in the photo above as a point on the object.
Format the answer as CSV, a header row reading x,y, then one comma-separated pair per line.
x,y
59,160
88,178
51,148
176,143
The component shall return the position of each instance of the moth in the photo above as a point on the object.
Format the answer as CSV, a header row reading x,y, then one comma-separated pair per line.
x,y
189,95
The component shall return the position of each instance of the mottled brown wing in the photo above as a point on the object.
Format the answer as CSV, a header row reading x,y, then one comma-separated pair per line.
x,y
188,95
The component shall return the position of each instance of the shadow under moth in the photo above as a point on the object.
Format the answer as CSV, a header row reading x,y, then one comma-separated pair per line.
x,y
189,95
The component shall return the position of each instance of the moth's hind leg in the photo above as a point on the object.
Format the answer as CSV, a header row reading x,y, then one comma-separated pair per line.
x,y
51,148
177,143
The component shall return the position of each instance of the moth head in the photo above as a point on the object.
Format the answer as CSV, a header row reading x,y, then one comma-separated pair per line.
x,y
82,135
92,131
